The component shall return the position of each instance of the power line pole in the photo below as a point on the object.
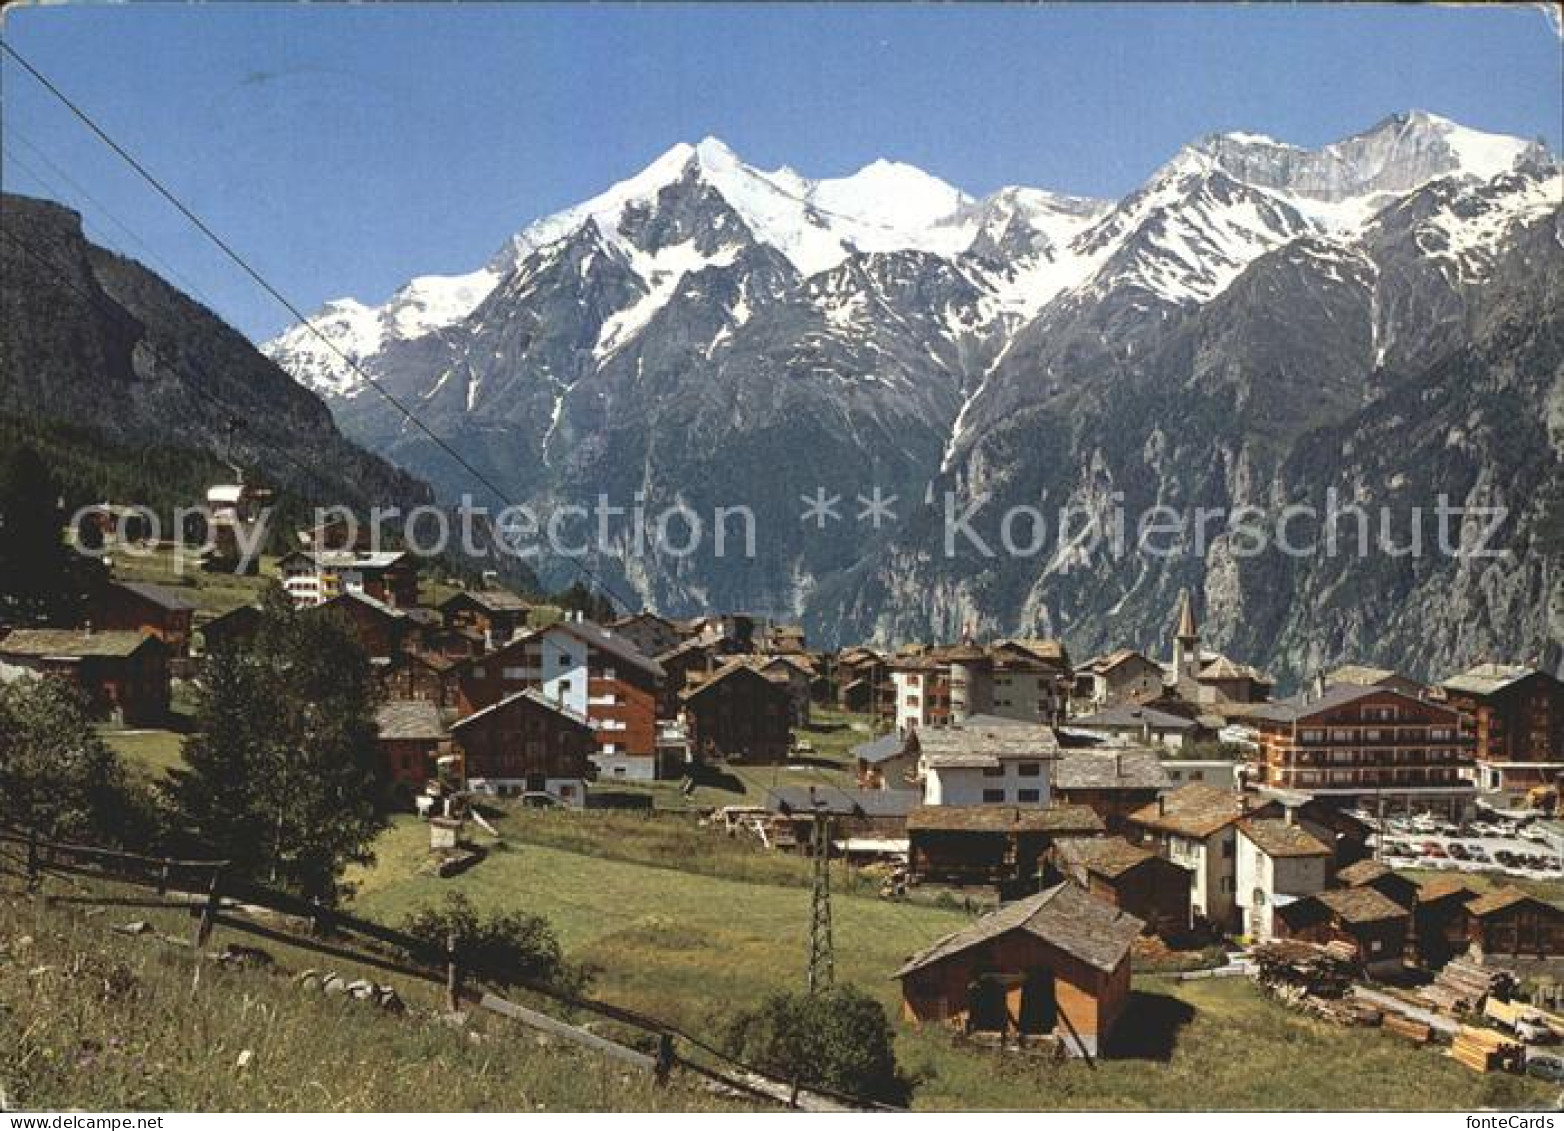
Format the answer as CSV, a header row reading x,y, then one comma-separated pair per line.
x,y
822,961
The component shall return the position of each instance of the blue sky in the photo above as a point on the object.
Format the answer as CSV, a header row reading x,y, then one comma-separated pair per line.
x,y
346,149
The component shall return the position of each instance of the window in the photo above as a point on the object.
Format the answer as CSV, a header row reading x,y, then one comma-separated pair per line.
x,y
1029,769
610,673
1029,795
478,672
994,796
1227,850
993,771
514,674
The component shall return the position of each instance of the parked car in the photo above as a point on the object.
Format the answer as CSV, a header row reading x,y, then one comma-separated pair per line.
x,y
1458,851
1433,848
1544,1065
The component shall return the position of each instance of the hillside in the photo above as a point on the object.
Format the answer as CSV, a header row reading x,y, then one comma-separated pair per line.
x,y
116,1023
131,388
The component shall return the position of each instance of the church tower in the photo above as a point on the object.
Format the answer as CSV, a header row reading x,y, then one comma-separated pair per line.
x,y
1186,641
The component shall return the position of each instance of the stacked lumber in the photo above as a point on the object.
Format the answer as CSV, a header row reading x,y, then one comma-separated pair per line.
x,y
1418,1032
1297,970
1486,1050
1345,1011
1463,986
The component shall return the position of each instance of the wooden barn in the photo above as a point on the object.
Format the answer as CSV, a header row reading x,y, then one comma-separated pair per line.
x,y
494,616
994,846
123,675
1509,923
1374,924
233,629
411,735
131,606
1373,874
1055,964
1113,783
1439,919
1129,877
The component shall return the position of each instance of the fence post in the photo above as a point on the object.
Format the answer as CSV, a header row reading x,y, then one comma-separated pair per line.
x,y
453,976
665,1058
214,900
163,878
32,859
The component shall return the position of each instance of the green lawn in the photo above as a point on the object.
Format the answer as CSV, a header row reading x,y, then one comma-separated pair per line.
x,y
149,752
696,947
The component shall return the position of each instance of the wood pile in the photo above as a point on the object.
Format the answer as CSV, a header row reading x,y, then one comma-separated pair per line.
x,y
1486,1050
1462,987
1295,969
1345,1011
1418,1032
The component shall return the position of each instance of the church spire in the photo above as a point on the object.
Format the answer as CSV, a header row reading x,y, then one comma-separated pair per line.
x,y
1187,629
1186,641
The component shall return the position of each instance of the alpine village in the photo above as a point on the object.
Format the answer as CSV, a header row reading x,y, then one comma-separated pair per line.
x,y
1050,860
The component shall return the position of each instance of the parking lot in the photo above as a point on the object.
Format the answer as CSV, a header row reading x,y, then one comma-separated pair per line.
x,y
1501,847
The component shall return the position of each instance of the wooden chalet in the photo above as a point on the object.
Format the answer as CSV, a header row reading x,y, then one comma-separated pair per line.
x,y
411,737
651,634
738,713
993,846
861,819
494,616
233,629
1129,877
1376,925
382,630
123,676
1112,782
133,606
1053,965
429,676
526,743
1439,920
1380,877
1510,923
1514,716
887,762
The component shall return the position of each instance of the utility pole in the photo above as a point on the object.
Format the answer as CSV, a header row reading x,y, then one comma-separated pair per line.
x,y
822,961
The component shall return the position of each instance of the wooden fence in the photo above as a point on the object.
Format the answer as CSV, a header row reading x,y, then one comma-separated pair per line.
x,y
212,895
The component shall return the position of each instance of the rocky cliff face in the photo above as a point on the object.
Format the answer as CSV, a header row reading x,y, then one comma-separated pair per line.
x,y
86,337
1259,327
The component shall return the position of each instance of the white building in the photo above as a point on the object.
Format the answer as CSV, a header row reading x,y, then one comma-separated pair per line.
x,y
1195,828
1278,861
1004,764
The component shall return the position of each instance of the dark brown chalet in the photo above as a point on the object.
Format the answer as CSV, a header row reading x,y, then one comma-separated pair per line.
x,y
1515,718
1373,874
1055,964
131,606
427,676
122,675
685,665
1113,783
1509,923
1131,878
990,846
381,629
411,737
739,714
233,629
1439,920
526,743
494,616
651,634
1376,925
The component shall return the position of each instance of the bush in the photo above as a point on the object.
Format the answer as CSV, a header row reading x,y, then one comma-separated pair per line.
x,y
839,1040
504,948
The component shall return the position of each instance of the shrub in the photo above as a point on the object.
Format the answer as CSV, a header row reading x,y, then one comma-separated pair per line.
x,y
504,948
840,1040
